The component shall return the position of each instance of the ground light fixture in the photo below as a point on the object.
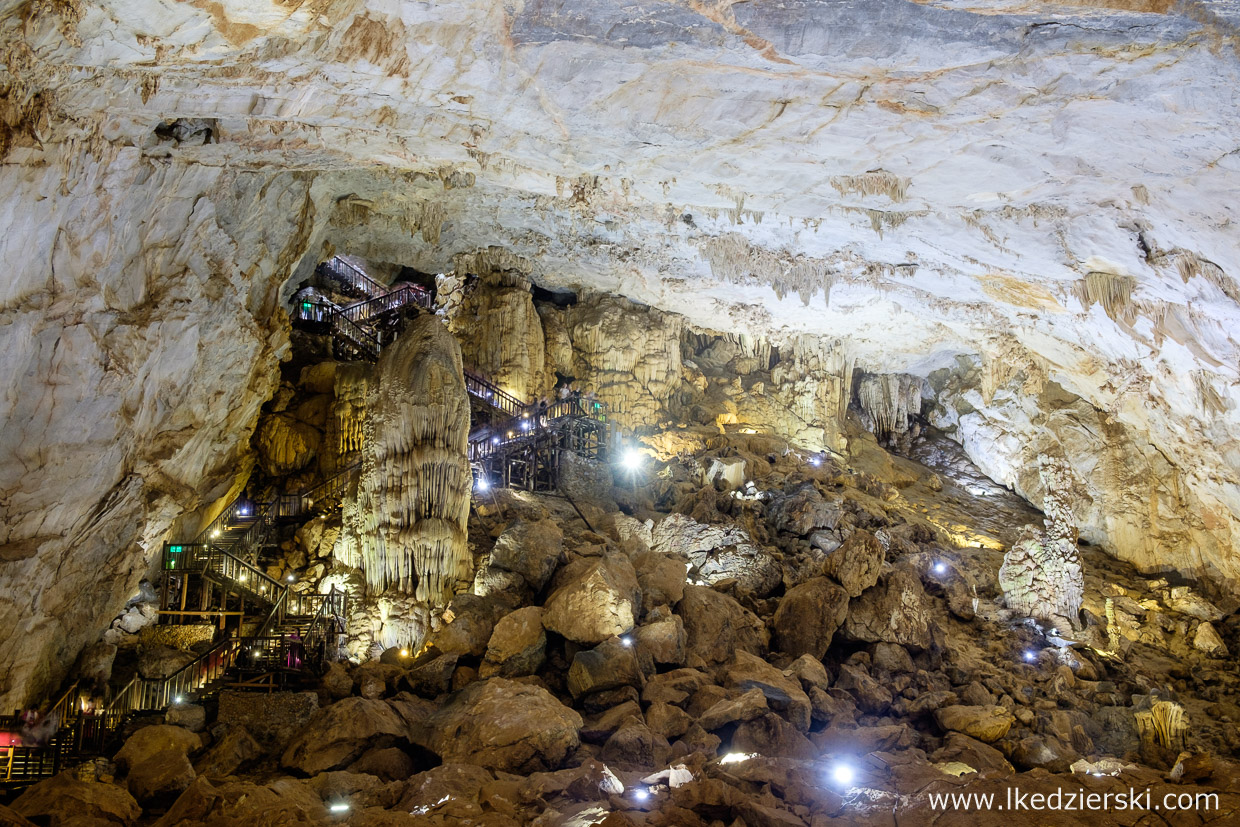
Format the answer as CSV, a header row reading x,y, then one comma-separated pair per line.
x,y
631,459
641,794
291,578
626,641
842,773
481,484
940,567
1030,656
339,807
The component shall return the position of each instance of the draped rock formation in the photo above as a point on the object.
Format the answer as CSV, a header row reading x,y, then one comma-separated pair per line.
x,y
501,333
408,519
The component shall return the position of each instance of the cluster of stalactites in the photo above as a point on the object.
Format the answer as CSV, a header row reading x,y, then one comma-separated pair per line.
x,y
1041,575
408,519
732,258
817,377
349,405
891,400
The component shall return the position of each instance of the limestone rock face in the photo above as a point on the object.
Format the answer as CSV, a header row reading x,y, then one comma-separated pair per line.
x,y
504,725
501,334
407,524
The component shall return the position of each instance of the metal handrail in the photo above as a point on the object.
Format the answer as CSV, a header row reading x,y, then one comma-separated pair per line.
x,y
485,389
363,311
359,280
356,334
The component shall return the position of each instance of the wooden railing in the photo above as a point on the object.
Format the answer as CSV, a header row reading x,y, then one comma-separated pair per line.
x,y
487,390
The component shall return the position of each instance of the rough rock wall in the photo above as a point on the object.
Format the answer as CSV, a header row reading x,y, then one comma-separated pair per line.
x,y
406,527
629,355
501,333
815,385
141,336
1140,507
889,401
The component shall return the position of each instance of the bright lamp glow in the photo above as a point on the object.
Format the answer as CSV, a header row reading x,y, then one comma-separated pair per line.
x,y
842,774
339,807
482,484
1030,656
641,793
404,653
815,461
177,699
940,567
631,459
291,578
626,640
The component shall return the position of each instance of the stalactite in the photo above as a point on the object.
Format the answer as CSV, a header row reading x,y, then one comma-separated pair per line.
x,y
732,258
1112,291
815,383
1041,575
1212,402
352,384
875,182
891,400
408,517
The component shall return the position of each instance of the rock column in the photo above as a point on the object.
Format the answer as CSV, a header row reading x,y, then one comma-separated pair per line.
x,y
408,519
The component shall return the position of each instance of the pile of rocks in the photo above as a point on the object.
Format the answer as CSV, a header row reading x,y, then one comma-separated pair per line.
x,y
810,656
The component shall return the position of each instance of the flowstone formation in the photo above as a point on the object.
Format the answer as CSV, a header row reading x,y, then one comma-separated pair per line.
x,y
1041,576
406,527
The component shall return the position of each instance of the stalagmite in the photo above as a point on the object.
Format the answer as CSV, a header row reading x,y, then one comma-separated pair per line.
x,y
814,382
1041,575
408,519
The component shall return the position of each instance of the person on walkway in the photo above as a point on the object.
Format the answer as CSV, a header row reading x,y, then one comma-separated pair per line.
x,y
38,729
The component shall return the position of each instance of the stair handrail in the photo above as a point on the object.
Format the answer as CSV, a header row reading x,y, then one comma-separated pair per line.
x,y
361,280
239,507
260,577
362,311
356,334
485,389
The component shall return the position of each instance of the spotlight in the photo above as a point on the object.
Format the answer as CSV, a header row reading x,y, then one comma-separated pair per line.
x,y
631,459
241,577
1030,656
177,699
940,567
404,653
291,578
495,440
815,461
641,794
525,426
481,484
339,807
626,640
215,533
842,774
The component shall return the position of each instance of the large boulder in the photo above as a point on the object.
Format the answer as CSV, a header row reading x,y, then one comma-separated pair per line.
x,y
661,577
504,725
65,801
339,733
895,611
531,549
985,723
663,640
285,802
154,740
856,564
602,600
803,511
469,622
717,627
228,754
517,646
611,664
808,617
272,720
782,693
718,553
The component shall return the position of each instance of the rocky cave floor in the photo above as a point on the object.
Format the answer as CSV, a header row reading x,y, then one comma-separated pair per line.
x,y
666,652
